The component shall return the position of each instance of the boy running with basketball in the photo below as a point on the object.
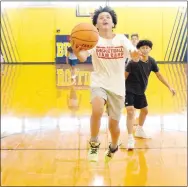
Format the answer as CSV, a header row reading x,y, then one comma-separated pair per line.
x,y
72,60
107,79
137,75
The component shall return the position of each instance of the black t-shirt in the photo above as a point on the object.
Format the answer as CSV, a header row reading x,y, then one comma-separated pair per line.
x,y
139,72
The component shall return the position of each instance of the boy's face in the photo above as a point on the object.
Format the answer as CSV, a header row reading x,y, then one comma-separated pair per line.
x,y
134,40
145,50
104,22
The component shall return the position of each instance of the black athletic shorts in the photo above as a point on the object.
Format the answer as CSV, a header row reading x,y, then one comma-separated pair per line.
x,y
138,101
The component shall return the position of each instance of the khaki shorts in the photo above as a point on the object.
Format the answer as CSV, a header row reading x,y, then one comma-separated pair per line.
x,y
114,103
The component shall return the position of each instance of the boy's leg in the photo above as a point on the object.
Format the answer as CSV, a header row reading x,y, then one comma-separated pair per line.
x,y
141,103
115,104
73,67
98,99
129,104
142,116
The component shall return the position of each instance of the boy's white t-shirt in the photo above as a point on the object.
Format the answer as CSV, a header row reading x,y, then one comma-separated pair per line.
x,y
108,59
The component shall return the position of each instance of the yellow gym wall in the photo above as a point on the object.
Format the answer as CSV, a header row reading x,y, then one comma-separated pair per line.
x,y
34,29
29,35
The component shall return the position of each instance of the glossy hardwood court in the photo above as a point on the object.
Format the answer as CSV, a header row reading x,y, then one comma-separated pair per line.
x,y
44,137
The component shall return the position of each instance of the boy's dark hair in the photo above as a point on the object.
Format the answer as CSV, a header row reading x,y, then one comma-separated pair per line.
x,y
135,34
105,9
70,50
143,43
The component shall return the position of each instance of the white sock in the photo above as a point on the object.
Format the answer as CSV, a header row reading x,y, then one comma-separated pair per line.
x,y
113,147
139,127
94,139
130,136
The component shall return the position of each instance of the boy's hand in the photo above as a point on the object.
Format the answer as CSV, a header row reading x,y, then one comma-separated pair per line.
x,y
172,90
136,55
79,52
76,48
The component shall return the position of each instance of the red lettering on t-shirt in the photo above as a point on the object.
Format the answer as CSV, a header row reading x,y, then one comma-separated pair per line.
x,y
110,52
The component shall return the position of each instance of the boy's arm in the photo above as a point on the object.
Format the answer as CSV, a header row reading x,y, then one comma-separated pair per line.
x,y
126,74
134,53
128,69
164,81
155,69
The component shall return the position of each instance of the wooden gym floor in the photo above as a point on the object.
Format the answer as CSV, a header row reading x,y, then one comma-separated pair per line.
x,y
44,143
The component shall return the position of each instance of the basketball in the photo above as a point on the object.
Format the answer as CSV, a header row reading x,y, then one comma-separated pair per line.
x,y
85,35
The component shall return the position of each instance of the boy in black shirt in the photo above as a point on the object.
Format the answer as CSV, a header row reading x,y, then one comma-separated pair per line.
x,y
137,74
